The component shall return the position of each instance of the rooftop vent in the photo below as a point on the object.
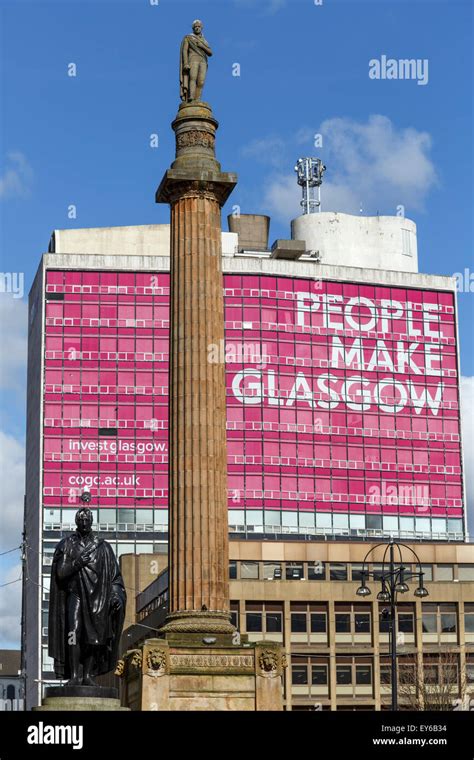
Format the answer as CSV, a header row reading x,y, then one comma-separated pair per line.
x,y
252,230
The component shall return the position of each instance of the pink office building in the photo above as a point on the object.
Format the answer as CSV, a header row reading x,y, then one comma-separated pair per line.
x,y
342,396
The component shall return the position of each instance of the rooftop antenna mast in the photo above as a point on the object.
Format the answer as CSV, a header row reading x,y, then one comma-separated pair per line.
x,y
310,176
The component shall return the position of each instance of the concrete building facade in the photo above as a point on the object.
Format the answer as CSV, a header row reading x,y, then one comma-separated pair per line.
x,y
342,395
303,595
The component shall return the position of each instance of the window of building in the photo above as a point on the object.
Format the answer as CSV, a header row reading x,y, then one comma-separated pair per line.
x,y
312,666
362,622
444,573
264,617
356,523
318,622
353,618
390,524
429,618
363,674
249,570
299,675
427,571
406,622
127,516
469,617
319,675
431,674
407,524
343,622
406,618
385,675
274,622
298,622
356,572
316,571
234,614
448,618
294,571
439,618
338,571
378,571
455,526
374,522
254,622
143,516
406,671
232,569
272,571
466,572
469,668
254,617
384,620
343,674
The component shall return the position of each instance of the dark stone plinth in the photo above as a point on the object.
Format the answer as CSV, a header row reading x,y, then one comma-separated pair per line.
x,y
96,692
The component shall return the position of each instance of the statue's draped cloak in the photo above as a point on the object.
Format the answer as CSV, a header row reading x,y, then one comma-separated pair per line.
x,y
96,585
193,46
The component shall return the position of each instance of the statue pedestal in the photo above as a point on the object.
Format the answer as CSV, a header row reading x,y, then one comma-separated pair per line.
x,y
184,672
80,698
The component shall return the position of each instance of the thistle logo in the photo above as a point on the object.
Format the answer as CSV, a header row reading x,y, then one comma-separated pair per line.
x,y
44,734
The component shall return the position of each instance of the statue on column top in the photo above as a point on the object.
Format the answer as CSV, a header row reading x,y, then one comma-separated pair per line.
x,y
194,53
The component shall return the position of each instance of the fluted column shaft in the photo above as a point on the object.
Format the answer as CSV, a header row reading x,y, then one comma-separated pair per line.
x,y
197,442
196,189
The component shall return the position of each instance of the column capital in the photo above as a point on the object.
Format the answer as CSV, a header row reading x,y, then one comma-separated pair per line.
x,y
214,185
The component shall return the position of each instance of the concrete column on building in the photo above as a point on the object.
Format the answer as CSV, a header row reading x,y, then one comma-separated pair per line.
x,y
462,647
196,189
376,650
332,654
419,643
287,645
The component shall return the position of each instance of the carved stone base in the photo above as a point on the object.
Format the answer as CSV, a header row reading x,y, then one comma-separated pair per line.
x,y
96,691
198,622
80,704
167,675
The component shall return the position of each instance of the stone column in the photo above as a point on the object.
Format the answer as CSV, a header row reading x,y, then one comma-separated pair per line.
x,y
196,189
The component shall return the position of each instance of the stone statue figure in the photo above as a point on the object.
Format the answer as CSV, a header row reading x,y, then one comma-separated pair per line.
x,y
194,53
86,607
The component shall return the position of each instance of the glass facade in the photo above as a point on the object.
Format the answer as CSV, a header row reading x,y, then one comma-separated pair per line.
x,y
342,404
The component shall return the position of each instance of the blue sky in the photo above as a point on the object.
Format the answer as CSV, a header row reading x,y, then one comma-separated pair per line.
x,y
85,140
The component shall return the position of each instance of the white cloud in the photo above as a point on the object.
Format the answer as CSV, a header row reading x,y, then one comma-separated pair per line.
x,y
371,165
17,178
12,478
266,150
13,339
467,409
10,608
381,164
282,197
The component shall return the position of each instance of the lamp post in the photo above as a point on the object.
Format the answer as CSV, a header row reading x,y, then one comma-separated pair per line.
x,y
393,582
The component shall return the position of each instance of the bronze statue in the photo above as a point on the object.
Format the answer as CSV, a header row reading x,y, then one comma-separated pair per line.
x,y
86,607
194,53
